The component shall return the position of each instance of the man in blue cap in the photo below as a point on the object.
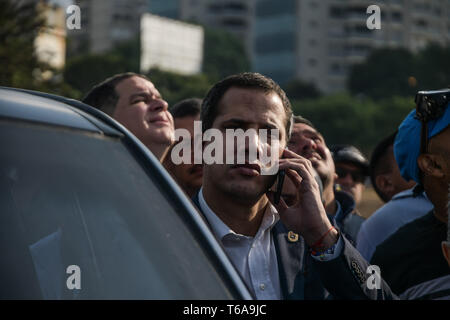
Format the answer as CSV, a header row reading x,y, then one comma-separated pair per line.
x,y
412,257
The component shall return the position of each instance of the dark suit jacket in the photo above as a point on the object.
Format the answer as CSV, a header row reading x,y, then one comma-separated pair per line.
x,y
302,277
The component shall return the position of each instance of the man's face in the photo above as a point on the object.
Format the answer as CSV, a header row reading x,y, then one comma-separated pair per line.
x,y
141,110
351,179
397,183
309,143
440,146
189,176
245,108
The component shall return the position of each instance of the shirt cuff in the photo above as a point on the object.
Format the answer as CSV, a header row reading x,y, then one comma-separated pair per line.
x,y
338,247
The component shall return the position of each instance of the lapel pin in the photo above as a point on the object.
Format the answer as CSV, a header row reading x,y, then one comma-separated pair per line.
x,y
292,236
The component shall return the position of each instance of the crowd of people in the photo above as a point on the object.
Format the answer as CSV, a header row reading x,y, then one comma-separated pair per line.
x,y
313,243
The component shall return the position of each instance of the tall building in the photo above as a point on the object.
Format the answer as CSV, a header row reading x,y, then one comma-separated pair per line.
x,y
171,45
319,40
50,43
105,23
234,16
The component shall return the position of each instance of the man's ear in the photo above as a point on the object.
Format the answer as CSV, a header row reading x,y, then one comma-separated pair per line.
x,y
446,251
430,165
384,183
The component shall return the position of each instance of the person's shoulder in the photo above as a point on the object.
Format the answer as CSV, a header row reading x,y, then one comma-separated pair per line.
x,y
405,235
412,228
402,201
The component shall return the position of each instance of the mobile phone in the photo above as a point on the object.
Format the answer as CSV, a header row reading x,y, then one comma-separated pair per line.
x,y
281,174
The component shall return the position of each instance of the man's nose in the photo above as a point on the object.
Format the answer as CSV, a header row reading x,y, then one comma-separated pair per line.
x,y
252,145
346,180
304,146
158,105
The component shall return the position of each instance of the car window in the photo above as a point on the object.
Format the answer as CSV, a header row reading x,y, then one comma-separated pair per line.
x,y
72,199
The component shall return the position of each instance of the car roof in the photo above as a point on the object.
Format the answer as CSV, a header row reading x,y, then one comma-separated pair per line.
x,y
44,108
50,109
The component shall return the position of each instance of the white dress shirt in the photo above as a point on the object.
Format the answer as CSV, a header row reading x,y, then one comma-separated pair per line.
x,y
254,257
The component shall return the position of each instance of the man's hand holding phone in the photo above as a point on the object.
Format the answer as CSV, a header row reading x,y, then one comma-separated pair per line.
x,y
306,217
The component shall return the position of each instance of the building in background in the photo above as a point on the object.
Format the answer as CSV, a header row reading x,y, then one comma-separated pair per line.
x,y
319,40
171,45
234,16
50,43
104,23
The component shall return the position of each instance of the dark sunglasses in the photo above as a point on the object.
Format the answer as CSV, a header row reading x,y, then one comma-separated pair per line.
x,y
356,175
430,105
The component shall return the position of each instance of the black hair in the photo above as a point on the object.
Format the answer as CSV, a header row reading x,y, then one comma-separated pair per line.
x,y
300,119
103,96
186,108
378,164
242,80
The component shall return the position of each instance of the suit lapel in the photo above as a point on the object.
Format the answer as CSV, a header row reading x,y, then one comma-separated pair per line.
x,y
290,256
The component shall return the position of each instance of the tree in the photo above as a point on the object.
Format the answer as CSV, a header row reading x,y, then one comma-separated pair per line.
x,y
298,89
385,73
84,71
390,72
20,23
175,87
224,54
363,122
433,67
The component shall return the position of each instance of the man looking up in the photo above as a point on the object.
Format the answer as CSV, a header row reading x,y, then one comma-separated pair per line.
x,y
133,100
269,244
307,142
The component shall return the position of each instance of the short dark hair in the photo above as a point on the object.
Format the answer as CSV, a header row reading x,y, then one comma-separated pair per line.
x,y
103,96
378,164
251,80
186,108
300,119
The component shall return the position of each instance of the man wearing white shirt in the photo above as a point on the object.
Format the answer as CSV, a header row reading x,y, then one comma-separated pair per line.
x,y
287,252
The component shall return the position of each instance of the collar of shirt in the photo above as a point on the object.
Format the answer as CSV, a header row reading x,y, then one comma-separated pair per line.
x,y
222,231
408,193
338,213
255,258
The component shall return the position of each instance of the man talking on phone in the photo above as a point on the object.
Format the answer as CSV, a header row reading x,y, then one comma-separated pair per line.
x,y
281,251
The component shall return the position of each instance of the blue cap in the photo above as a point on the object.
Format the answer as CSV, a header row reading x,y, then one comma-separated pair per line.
x,y
407,142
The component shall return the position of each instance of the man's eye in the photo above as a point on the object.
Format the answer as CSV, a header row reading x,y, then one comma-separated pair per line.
x,y
138,100
231,126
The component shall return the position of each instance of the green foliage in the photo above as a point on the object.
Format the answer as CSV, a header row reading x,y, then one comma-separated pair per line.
x,y
19,26
224,54
84,71
174,87
362,122
298,89
20,23
390,72
385,73
433,67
